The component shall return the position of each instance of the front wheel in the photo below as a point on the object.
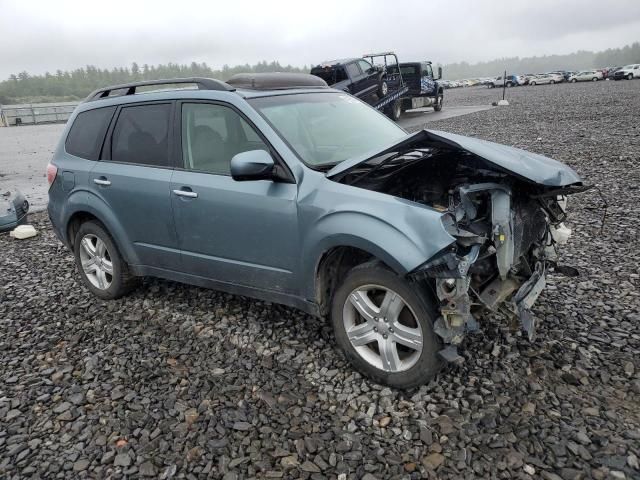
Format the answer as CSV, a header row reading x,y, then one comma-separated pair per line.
x,y
552,82
630,76
509,84
384,325
439,101
533,84
573,80
594,79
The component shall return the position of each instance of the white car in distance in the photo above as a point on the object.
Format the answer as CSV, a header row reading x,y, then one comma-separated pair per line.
x,y
543,79
586,76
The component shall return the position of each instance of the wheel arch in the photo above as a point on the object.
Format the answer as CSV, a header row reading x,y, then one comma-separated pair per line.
x,y
88,212
325,261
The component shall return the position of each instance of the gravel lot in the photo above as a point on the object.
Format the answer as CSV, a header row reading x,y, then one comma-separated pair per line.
x,y
180,382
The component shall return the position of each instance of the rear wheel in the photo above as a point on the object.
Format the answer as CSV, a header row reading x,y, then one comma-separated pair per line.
x,y
384,326
552,82
383,88
101,267
573,80
509,84
594,79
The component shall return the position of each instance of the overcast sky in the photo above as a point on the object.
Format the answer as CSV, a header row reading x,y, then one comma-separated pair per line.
x,y
39,36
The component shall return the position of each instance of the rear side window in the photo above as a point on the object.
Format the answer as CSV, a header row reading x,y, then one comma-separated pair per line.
x,y
141,135
87,133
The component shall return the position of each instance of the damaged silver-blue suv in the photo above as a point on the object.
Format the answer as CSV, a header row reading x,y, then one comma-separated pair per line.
x,y
277,187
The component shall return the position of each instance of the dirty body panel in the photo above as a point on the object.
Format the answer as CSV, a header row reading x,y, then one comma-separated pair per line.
x,y
504,207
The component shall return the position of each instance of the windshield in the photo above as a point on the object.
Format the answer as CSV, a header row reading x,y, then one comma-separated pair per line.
x,y
326,128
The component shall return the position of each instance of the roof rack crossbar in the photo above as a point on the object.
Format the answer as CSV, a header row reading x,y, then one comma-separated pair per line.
x,y
200,82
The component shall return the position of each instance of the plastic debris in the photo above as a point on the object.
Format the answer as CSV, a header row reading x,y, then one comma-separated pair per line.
x,y
23,231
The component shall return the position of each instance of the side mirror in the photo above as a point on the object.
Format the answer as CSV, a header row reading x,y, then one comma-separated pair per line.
x,y
439,73
252,165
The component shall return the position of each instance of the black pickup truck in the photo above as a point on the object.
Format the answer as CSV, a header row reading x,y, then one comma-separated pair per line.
x,y
355,76
424,88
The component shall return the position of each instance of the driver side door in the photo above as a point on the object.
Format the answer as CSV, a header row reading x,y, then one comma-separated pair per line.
x,y
239,233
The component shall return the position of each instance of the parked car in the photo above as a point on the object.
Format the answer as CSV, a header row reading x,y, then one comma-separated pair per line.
x,y
561,75
498,82
543,79
277,187
354,75
628,72
586,76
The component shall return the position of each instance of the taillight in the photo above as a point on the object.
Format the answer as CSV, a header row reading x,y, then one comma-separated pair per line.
x,y
52,171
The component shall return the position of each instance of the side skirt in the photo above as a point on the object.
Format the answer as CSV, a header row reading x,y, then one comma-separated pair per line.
x,y
266,295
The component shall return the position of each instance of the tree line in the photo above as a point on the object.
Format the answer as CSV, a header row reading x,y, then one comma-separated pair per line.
x,y
77,84
581,60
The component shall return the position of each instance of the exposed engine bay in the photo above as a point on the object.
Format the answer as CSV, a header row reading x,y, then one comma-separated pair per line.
x,y
506,229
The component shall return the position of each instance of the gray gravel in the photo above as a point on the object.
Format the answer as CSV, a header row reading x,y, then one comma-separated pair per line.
x,y
181,382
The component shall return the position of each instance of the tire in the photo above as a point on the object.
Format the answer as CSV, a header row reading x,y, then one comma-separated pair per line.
x,y
552,82
439,101
409,366
533,84
594,79
573,80
383,88
630,76
491,85
395,111
107,275
509,84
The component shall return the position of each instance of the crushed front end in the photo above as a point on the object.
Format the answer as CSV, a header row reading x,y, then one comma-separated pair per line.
x,y
506,241
504,207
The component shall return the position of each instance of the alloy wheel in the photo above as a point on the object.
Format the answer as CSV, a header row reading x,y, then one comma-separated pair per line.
x,y
382,328
96,261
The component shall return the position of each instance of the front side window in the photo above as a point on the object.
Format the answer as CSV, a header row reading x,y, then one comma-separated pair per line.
x,y
87,133
353,70
429,71
364,65
141,135
327,128
212,135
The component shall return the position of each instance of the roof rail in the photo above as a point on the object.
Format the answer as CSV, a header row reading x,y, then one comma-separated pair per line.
x,y
202,84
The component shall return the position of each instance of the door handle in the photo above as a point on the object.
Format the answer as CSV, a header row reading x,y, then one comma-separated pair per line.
x,y
186,193
100,181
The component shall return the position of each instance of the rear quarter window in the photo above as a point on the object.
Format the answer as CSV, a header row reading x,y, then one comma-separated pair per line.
x,y
87,133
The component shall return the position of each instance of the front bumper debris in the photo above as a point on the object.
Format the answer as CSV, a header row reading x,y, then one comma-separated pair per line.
x,y
524,299
13,210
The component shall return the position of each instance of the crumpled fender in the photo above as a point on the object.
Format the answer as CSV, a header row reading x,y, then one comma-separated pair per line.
x,y
400,233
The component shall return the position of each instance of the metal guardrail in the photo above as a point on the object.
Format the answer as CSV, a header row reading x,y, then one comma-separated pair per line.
x,y
35,113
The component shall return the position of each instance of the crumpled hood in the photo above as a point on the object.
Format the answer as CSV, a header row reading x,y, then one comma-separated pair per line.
x,y
526,165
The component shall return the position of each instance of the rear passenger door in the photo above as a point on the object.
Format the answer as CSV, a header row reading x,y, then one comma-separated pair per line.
x,y
240,233
133,180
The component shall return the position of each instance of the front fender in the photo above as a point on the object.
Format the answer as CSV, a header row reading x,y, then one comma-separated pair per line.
x,y
401,234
